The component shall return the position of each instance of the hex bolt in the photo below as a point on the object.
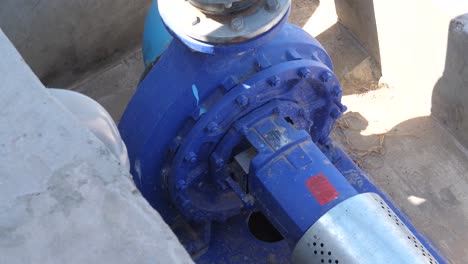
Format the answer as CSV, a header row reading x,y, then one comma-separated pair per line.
x,y
249,201
325,141
243,130
325,77
272,5
191,157
237,23
212,127
274,81
342,107
335,114
219,162
304,73
242,101
336,91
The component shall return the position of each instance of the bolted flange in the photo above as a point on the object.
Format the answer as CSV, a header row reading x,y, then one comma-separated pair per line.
x,y
222,21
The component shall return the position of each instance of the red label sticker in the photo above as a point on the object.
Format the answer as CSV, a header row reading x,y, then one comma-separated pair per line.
x,y
322,189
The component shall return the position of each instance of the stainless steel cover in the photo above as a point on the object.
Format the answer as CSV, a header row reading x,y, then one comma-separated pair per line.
x,y
362,229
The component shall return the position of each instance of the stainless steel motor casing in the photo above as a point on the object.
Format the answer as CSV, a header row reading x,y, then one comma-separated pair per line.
x,y
362,229
183,17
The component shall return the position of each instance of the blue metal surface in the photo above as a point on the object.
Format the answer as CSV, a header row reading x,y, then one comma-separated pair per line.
x,y
288,157
169,114
155,36
202,104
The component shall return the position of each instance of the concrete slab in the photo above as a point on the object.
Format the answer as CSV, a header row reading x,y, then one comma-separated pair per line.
x,y
449,98
64,198
359,18
61,40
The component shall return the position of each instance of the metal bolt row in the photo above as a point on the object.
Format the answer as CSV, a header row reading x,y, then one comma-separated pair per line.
x,y
237,23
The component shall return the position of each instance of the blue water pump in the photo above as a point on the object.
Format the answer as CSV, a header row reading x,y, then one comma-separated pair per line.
x,y
228,137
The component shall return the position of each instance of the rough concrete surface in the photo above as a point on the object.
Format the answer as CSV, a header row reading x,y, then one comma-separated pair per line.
x,y
63,197
450,96
61,40
359,18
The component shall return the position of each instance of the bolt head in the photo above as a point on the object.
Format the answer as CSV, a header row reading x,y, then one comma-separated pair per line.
x,y
237,23
244,130
191,157
272,5
342,107
336,91
249,201
335,114
212,127
275,81
219,162
242,101
325,77
304,73
325,141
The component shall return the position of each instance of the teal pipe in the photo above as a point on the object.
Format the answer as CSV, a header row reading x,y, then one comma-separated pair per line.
x,y
155,36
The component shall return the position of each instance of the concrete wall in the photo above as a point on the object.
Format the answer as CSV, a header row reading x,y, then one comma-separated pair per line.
x,y
450,96
64,198
61,40
359,18
410,40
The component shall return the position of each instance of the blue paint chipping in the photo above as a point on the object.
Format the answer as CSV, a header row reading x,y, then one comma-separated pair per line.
x,y
156,39
195,94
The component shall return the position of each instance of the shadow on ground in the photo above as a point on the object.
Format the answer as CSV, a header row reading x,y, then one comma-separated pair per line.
x,y
357,70
422,168
302,10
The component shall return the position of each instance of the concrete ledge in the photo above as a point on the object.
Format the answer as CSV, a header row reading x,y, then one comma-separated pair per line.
x,y
61,40
359,18
450,96
63,197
